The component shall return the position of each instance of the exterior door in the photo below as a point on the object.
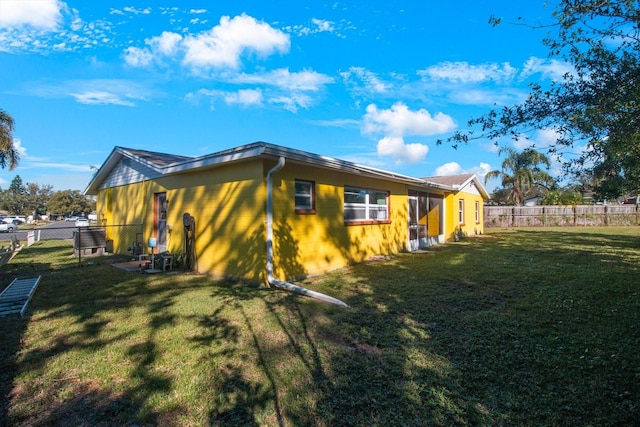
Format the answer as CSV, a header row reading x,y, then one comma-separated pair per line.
x,y
414,243
419,223
160,222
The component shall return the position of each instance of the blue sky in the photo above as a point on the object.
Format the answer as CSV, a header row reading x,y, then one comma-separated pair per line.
x,y
374,82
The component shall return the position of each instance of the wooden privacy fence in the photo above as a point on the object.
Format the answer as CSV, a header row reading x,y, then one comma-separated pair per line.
x,y
547,216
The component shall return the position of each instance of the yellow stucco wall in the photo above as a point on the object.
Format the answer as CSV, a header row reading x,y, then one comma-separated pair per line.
x,y
470,226
229,206
308,244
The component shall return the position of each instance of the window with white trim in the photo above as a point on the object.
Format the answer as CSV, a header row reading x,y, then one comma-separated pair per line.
x,y
477,212
361,204
305,196
461,211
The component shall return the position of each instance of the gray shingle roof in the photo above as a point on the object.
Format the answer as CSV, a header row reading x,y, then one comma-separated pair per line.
x,y
450,180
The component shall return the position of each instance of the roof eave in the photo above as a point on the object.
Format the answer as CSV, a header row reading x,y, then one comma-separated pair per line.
x,y
112,159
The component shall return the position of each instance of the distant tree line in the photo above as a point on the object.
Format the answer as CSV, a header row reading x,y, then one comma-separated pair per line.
x,y
33,199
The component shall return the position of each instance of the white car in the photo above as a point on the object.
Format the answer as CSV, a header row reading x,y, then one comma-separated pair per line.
x,y
8,227
14,219
82,222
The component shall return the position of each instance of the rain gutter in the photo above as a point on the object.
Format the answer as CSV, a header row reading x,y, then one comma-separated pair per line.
x,y
270,279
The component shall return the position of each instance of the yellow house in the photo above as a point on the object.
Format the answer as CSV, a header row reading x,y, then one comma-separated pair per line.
x,y
264,212
465,202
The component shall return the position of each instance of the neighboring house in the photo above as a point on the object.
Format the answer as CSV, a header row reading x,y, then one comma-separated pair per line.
x,y
263,208
465,203
533,201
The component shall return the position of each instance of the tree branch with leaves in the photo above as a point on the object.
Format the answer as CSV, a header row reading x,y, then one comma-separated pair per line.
x,y
596,108
8,153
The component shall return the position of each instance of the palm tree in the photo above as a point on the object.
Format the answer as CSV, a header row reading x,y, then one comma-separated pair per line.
x,y
8,153
521,172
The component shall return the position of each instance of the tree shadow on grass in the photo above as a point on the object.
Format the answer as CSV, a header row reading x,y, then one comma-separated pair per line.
x,y
11,330
73,397
430,339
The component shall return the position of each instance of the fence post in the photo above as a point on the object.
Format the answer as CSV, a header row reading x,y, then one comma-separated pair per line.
x,y
79,246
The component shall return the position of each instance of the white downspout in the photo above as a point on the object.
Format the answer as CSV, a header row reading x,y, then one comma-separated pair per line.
x,y
270,279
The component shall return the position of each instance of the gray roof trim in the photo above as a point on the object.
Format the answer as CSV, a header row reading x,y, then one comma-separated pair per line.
x,y
245,152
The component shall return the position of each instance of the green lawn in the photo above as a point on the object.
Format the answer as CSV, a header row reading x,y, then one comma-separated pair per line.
x,y
517,327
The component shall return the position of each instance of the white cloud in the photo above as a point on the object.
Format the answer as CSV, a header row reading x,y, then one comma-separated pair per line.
x,y
463,72
454,168
400,121
337,123
280,87
94,92
133,10
166,43
322,25
292,101
53,27
224,44
468,96
40,14
396,148
367,81
243,97
307,80
100,98
548,137
448,169
137,57
221,47
549,68
522,142
17,144
317,26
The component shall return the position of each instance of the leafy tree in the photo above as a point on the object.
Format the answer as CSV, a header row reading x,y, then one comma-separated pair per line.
x,y
25,199
595,108
562,196
37,198
521,173
8,154
69,202
500,196
14,198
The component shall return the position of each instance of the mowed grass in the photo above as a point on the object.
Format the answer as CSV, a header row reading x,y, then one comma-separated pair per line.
x,y
516,327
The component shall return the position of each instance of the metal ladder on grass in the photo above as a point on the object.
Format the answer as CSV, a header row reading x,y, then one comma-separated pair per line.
x,y
15,297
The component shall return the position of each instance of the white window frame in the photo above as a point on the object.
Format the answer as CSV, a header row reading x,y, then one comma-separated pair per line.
x,y
461,211
372,208
477,212
311,196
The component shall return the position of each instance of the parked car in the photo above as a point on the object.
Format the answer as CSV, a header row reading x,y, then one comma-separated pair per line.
x,y
82,222
8,227
71,218
14,219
